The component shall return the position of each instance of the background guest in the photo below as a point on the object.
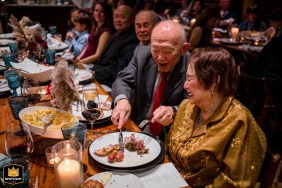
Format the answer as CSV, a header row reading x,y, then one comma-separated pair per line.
x,y
72,32
187,15
200,34
82,25
119,49
254,23
275,21
214,140
145,21
227,16
99,35
137,89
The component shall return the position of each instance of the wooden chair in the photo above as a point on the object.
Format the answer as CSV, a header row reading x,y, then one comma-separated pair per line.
x,y
257,96
268,170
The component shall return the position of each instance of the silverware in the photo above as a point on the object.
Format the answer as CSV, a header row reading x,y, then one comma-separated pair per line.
x,y
120,140
47,121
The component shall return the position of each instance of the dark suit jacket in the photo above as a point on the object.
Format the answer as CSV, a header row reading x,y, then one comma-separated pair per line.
x,y
116,56
137,82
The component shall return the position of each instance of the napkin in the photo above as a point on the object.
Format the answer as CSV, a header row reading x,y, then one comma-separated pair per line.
x,y
162,176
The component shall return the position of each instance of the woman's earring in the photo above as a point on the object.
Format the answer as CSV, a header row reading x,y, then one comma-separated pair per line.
x,y
212,93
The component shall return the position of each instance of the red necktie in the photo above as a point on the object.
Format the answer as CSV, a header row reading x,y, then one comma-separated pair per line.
x,y
156,128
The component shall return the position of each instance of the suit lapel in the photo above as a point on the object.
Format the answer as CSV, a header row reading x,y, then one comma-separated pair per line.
x,y
174,80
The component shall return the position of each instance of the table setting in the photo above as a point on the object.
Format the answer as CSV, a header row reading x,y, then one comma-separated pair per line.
x,y
61,134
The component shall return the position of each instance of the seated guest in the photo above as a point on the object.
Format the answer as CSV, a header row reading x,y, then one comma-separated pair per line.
x,y
83,25
187,15
119,49
254,23
72,32
140,90
269,66
275,21
214,140
99,35
227,16
145,21
200,34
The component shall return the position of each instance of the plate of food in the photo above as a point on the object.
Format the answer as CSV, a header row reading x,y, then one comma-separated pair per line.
x,y
4,50
139,149
5,42
111,179
82,75
229,41
4,86
32,116
7,35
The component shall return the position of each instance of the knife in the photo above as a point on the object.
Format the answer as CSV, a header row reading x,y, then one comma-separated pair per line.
x,y
120,140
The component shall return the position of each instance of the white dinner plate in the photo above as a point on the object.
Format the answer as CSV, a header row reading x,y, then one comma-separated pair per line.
x,y
53,43
4,85
106,112
7,35
131,158
82,75
229,41
120,180
66,55
2,63
5,42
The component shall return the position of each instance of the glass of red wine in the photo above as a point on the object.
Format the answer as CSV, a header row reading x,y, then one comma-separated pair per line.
x,y
91,106
18,139
31,89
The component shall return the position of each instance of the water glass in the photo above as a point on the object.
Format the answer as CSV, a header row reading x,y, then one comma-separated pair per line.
x,y
8,58
53,29
13,47
50,56
17,103
14,171
69,169
13,78
75,131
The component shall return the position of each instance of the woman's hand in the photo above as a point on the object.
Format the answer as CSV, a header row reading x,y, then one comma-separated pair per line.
x,y
163,115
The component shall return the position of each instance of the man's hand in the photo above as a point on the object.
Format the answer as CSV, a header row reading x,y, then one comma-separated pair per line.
x,y
163,115
121,113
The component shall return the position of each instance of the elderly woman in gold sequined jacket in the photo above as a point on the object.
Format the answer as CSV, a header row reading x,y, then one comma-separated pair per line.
x,y
214,140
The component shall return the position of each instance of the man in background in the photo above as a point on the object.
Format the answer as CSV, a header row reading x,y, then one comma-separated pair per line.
x,y
145,21
119,49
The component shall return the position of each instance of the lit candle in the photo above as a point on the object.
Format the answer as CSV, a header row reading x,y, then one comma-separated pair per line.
x,y
234,32
69,174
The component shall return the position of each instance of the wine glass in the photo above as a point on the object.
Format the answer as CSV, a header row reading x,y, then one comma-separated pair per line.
x,y
18,139
13,78
31,89
91,106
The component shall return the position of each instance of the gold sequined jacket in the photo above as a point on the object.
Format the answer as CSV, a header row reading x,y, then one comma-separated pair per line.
x,y
226,151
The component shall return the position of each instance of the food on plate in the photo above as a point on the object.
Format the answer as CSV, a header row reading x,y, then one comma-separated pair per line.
x,y
2,52
133,144
106,177
92,184
60,119
113,152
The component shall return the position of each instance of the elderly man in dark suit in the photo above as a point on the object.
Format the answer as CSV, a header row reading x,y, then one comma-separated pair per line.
x,y
151,86
119,49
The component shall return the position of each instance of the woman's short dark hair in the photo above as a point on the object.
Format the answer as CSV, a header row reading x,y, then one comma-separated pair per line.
x,y
209,63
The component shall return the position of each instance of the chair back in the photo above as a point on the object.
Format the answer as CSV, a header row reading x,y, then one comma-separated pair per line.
x,y
268,170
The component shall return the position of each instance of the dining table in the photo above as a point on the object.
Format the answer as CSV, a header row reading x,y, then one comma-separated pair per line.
x,y
40,174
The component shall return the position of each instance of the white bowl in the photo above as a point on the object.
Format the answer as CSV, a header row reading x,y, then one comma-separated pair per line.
x,y
32,70
50,133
